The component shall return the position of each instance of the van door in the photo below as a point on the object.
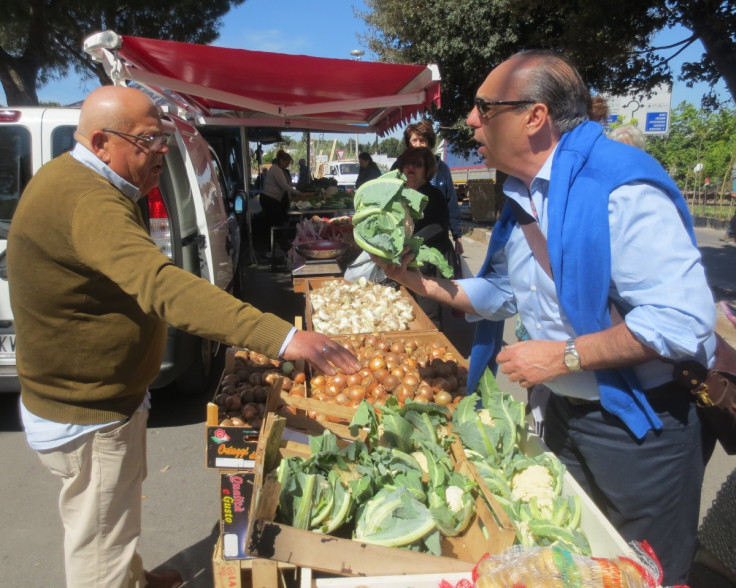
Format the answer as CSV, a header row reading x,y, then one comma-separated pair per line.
x,y
214,246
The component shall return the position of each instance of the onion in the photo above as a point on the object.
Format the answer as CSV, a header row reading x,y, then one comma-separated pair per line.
x,y
443,398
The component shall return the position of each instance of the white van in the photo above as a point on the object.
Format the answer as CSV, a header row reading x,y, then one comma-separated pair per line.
x,y
345,172
186,217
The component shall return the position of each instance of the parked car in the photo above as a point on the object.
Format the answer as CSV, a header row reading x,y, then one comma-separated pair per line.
x,y
186,217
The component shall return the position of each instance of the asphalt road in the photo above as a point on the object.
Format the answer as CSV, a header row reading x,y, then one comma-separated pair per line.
x,y
180,509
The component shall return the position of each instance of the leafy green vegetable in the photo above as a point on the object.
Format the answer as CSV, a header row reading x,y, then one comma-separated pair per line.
x,y
383,223
394,518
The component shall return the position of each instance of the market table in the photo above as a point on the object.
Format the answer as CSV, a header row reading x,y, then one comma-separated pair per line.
x,y
323,212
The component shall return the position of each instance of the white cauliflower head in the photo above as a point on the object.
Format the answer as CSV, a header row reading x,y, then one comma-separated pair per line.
x,y
454,498
536,481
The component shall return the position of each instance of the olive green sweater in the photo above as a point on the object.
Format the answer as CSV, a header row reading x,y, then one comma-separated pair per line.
x,y
92,293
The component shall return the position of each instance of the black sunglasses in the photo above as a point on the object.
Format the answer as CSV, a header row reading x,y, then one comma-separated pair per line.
x,y
417,163
484,106
149,141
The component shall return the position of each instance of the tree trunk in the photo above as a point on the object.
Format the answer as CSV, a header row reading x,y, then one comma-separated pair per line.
x,y
19,84
716,39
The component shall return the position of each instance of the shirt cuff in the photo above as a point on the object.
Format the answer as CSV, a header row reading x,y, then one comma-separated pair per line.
x,y
286,342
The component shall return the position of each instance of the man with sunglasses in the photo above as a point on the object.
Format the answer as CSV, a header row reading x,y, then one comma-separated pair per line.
x,y
593,231
91,294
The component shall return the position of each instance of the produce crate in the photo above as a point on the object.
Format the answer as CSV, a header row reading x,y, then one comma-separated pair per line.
x,y
343,414
412,581
234,447
604,539
421,321
256,573
268,539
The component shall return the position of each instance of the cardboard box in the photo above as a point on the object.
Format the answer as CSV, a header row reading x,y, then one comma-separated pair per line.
x,y
231,447
256,573
421,321
236,493
268,539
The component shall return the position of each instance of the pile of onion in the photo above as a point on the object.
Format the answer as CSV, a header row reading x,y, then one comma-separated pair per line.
x,y
405,367
242,392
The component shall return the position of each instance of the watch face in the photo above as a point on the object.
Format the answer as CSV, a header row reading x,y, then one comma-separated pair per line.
x,y
572,361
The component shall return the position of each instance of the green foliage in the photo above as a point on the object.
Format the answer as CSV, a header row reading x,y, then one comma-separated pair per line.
x,y
40,41
383,222
698,136
609,41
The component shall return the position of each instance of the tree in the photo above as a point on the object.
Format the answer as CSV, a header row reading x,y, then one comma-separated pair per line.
x,y
609,41
698,136
41,40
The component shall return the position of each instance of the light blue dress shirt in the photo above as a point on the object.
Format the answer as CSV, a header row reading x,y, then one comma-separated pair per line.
x,y
656,276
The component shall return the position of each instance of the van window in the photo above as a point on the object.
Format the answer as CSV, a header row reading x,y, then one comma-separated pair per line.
x,y
15,171
350,168
62,140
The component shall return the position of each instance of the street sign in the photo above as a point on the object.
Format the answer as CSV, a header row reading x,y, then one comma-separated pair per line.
x,y
652,114
340,153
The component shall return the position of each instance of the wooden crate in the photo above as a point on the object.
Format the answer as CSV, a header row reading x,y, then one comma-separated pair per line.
x,y
345,413
421,321
256,573
268,539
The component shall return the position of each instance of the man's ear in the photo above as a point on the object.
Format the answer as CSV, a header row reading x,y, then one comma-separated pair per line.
x,y
98,143
537,117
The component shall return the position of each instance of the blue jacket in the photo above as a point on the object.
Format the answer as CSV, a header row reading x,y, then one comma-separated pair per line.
x,y
586,168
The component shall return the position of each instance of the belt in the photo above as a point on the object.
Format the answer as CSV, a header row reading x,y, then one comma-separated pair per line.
x,y
575,401
661,392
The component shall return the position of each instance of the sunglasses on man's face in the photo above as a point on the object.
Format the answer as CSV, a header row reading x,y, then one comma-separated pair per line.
x,y
417,163
486,106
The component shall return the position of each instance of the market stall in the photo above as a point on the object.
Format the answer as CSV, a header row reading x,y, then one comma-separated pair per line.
x,y
218,86
399,470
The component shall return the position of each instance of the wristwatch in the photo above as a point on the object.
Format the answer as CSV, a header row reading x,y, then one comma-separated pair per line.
x,y
572,357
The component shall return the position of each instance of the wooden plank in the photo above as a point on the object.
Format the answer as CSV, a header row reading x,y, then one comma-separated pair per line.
x,y
343,556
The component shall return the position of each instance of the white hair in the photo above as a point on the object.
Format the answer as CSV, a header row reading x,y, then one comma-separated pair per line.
x,y
630,135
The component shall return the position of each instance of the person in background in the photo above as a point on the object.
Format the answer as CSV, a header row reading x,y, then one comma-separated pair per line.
x,y
368,169
422,134
418,164
92,294
305,178
629,435
260,179
277,194
629,135
598,110
288,160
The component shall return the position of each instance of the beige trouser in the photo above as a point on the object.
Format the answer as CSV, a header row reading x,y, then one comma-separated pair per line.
x,y
102,476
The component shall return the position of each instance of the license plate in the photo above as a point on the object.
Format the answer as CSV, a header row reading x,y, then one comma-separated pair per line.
x,y
7,346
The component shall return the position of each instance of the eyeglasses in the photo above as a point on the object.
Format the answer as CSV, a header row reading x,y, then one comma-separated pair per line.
x,y
149,141
484,106
417,163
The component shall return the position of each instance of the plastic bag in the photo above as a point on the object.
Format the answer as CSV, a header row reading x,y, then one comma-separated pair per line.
x,y
364,267
554,567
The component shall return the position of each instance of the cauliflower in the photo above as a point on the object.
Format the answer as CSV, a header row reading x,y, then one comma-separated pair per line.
x,y
536,481
485,417
421,459
454,498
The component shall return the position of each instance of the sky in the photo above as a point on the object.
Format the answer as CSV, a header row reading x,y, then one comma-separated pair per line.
x,y
320,28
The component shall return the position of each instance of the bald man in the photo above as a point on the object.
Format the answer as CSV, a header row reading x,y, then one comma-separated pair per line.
x,y
92,294
625,430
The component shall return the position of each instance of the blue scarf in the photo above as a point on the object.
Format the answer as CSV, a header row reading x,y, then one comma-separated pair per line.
x,y
586,168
